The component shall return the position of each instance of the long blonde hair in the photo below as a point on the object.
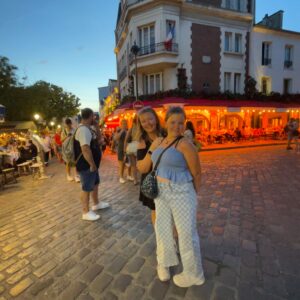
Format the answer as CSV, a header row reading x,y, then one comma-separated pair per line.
x,y
141,133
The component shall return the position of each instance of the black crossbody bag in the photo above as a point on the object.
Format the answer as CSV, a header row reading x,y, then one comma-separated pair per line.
x,y
149,187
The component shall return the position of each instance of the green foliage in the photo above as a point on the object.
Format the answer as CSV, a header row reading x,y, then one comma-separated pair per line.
x,y
46,99
8,77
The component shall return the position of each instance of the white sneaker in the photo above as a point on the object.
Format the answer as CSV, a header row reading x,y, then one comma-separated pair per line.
x,y
90,216
163,273
77,179
130,178
101,205
70,178
184,281
122,180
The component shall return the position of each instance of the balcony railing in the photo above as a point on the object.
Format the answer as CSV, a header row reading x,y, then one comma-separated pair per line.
x,y
156,48
266,61
288,64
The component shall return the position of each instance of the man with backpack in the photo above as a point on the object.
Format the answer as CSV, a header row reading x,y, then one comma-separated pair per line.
x,y
66,135
87,154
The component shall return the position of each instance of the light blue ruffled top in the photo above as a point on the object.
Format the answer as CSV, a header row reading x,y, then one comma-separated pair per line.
x,y
172,165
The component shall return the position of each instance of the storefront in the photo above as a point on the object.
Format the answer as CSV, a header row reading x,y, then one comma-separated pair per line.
x,y
219,115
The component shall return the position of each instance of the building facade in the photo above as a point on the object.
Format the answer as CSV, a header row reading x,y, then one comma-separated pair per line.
x,y
202,42
273,56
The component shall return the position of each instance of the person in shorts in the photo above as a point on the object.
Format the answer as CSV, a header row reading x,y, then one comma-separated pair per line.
x,y
88,157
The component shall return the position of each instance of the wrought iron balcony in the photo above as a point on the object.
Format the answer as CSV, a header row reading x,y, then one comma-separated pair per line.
x,y
288,64
156,48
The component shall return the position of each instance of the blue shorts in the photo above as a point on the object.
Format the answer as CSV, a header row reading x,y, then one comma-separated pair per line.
x,y
89,180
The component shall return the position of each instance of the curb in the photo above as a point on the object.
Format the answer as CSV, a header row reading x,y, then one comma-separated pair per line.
x,y
241,147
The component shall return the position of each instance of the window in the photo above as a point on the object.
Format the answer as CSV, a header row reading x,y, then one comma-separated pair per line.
x,y
147,39
265,85
152,83
228,4
288,61
237,83
228,41
227,81
287,86
238,43
266,54
239,5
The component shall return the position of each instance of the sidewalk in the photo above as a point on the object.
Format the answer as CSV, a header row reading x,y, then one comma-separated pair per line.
x,y
244,144
249,220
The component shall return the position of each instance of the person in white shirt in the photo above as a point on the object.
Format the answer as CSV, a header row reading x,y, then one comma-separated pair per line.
x,y
88,158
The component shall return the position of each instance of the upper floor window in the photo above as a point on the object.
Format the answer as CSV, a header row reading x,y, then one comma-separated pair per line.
x,y
266,54
228,41
152,83
265,85
238,43
147,39
237,83
239,5
228,4
287,86
227,81
288,59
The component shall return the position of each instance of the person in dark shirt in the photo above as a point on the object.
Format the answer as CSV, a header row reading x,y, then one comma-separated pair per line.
x,y
32,149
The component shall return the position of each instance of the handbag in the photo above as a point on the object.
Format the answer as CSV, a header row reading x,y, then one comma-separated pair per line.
x,y
149,187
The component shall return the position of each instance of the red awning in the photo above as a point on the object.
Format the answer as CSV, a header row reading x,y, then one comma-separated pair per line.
x,y
209,102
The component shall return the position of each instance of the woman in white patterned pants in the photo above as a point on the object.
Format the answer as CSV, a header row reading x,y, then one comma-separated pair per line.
x,y
179,178
178,203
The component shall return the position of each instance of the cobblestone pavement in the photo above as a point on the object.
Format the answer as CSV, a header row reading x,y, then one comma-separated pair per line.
x,y
249,220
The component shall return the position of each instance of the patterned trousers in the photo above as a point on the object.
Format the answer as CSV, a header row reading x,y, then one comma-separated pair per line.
x,y
177,203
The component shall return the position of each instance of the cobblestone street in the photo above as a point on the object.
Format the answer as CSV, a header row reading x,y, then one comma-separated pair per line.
x,y
249,220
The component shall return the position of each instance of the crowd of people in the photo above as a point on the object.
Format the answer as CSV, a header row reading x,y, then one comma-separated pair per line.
x,y
178,179
168,156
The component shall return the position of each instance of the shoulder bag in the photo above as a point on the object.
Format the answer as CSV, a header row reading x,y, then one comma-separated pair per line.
x,y
149,187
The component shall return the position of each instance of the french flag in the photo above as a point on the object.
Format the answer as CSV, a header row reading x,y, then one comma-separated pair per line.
x,y
169,40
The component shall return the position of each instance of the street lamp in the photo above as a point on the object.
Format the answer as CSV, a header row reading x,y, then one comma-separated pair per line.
x,y
52,123
36,117
135,50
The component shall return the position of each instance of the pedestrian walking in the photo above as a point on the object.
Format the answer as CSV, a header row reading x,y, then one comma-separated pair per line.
x,y
120,139
292,132
179,178
149,129
88,157
68,132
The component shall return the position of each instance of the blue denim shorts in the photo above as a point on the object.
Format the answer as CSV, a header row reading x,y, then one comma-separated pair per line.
x,y
88,180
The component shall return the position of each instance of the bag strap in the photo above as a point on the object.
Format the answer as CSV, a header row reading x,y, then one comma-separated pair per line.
x,y
159,158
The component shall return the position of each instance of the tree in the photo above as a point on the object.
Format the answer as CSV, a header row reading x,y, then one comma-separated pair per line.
x,y
8,77
21,102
